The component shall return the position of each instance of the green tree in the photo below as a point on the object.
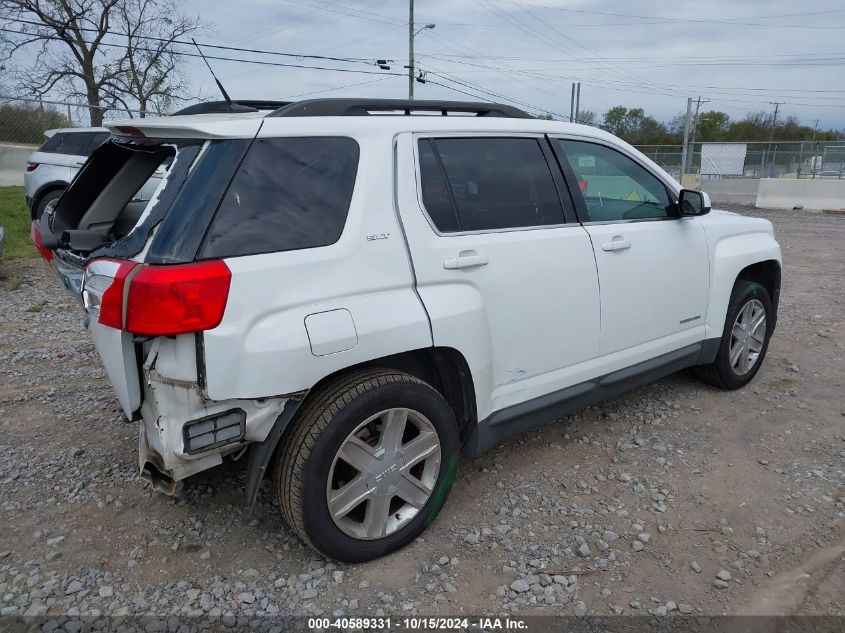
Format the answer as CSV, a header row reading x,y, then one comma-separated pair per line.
x,y
635,126
26,124
712,126
587,117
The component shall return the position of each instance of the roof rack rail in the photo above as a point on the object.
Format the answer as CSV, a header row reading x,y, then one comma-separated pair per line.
x,y
364,107
223,107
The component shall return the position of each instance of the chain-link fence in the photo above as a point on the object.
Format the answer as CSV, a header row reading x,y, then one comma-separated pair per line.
x,y
24,121
778,159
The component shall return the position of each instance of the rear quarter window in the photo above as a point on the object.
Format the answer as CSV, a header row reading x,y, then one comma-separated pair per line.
x,y
52,144
75,144
288,194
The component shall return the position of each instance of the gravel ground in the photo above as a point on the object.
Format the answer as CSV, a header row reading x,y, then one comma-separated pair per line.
x,y
677,498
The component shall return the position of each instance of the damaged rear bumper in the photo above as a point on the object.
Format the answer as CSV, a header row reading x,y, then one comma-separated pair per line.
x,y
182,432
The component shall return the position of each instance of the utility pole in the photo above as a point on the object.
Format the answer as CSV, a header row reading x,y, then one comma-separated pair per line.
x,y
691,153
577,100
411,50
572,105
777,105
686,140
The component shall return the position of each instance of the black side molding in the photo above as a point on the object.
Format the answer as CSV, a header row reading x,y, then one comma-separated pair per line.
x,y
529,415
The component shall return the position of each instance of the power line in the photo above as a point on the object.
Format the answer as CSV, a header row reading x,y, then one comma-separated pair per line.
x,y
187,43
230,59
482,68
728,21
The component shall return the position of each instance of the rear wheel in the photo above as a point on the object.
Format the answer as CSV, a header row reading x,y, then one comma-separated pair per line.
x,y
745,338
368,464
48,202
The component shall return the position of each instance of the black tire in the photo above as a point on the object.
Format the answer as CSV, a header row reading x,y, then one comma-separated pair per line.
x,y
720,373
328,417
46,199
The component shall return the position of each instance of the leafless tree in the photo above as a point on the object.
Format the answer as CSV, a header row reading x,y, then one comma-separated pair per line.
x,y
111,53
150,75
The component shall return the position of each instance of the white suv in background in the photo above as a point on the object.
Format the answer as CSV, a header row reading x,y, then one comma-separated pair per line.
x,y
52,167
357,292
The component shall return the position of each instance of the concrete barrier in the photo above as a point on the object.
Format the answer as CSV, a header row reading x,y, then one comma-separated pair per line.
x,y
819,193
13,163
741,190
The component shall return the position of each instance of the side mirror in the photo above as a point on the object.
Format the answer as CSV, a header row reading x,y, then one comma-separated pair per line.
x,y
693,203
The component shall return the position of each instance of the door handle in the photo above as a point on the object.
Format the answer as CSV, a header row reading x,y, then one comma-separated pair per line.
x,y
616,244
465,259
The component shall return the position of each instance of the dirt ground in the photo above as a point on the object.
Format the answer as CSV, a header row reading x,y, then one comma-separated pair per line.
x,y
668,487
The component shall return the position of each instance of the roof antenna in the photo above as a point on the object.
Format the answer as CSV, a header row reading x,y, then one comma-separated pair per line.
x,y
219,85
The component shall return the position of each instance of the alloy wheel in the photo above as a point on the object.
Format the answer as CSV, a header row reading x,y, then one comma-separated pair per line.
x,y
747,337
383,474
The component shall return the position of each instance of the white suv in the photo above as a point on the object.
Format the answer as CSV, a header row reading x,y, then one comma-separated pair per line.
x,y
357,300
51,168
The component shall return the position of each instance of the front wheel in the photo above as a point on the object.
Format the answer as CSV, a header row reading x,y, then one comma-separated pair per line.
x,y
368,464
745,339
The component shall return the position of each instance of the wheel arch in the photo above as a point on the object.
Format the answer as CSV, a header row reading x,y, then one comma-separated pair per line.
x,y
753,256
767,273
444,368
42,191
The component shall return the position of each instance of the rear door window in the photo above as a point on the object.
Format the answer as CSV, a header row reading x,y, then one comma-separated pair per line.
x,y
483,184
289,194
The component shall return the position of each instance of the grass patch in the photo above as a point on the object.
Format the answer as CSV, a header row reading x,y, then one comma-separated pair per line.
x,y
14,216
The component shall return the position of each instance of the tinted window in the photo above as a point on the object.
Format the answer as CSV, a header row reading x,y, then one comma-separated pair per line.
x,y
75,143
289,193
94,142
615,187
494,183
52,144
435,192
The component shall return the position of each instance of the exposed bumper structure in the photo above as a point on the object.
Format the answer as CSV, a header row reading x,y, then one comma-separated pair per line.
x,y
168,452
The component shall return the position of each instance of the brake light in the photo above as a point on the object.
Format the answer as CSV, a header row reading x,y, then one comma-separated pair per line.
x,y
35,234
582,185
169,300
31,166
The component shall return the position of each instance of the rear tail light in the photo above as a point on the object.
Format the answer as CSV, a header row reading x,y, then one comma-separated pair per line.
x,y
31,166
35,234
166,300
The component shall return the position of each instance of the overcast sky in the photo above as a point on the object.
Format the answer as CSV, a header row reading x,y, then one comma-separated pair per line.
x,y
740,54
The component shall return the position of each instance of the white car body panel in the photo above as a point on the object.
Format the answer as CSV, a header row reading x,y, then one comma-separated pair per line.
x,y
654,292
735,242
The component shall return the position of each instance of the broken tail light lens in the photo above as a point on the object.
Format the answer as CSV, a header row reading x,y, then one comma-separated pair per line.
x,y
35,234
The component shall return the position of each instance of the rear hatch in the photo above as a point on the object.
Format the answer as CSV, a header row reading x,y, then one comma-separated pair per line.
x,y
102,240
